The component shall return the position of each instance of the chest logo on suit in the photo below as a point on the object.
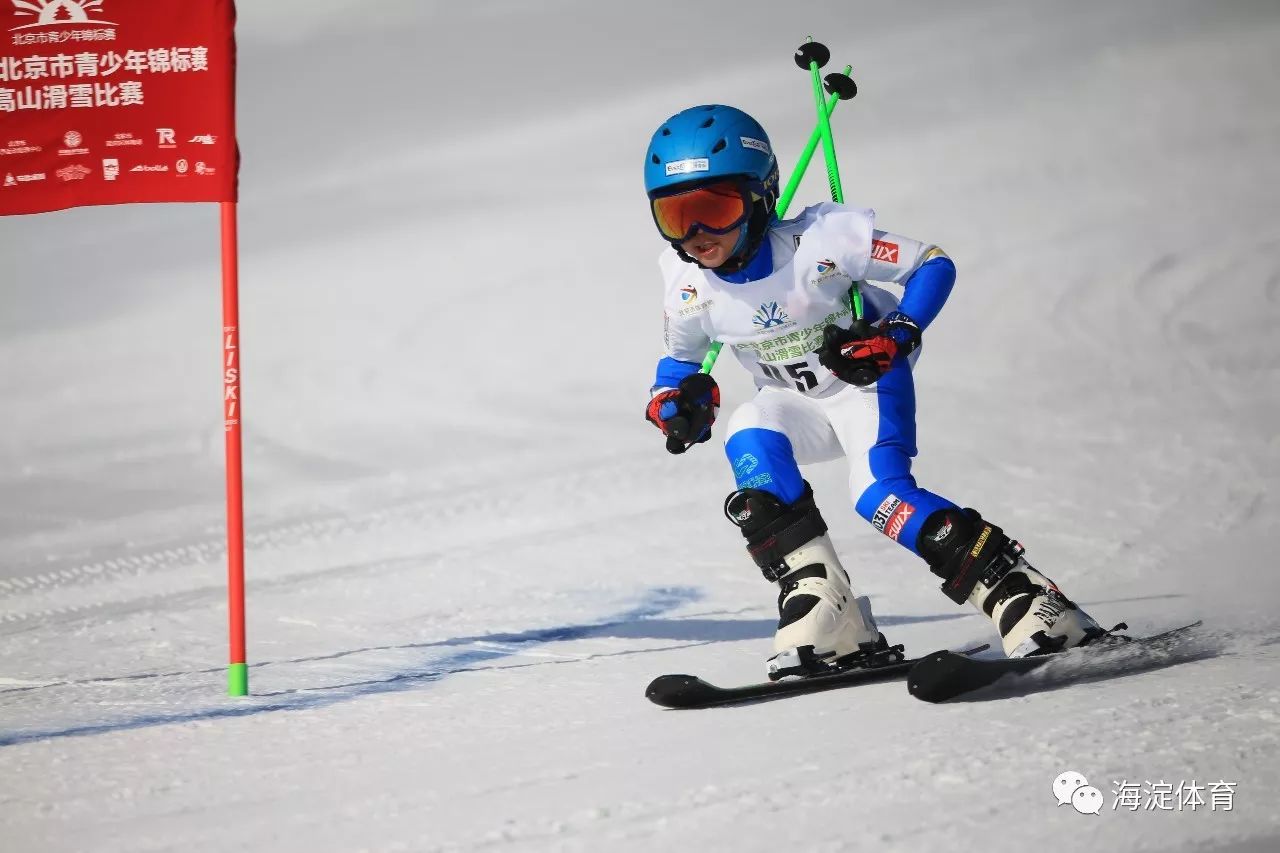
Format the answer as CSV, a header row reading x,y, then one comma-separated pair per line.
x,y
770,315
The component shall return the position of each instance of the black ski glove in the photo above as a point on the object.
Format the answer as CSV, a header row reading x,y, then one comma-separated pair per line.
x,y
685,414
862,353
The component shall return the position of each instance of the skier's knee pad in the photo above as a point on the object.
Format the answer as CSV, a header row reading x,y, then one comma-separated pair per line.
x,y
774,529
960,548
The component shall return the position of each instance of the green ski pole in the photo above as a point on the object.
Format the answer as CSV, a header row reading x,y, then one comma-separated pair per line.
x,y
813,55
784,201
843,89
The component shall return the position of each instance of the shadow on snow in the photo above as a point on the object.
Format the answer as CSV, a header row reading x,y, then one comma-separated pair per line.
x,y
639,622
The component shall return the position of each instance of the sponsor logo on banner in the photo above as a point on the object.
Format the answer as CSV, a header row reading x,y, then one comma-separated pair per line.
x,y
121,140
149,169
110,169
166,137
755,144
19,146
883,250
181,167
899,520
203,169
72,141
884,512
74,172
204,139
49,13
770,315
684,167
12,180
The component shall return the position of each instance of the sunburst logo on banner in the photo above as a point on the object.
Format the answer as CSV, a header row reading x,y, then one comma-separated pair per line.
x,y
49,12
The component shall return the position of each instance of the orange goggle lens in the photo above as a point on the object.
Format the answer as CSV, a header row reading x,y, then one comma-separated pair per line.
x,y
717,208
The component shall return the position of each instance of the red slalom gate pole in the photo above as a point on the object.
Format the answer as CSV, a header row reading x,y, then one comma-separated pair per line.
x,y
238,668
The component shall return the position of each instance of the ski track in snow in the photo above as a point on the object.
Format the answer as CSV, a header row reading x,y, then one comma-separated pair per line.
x,y
428,515
468,555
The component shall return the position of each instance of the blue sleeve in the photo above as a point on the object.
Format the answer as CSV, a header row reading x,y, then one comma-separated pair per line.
x,y
671,371
927,290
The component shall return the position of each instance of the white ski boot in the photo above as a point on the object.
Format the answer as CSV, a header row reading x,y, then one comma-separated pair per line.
x,y
981,565
822,624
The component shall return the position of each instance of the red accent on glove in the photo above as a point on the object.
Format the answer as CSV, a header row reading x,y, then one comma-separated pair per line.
x,y
715,401
880,350
653,412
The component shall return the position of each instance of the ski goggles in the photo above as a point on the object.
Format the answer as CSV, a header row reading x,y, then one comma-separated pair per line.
x,y
716,208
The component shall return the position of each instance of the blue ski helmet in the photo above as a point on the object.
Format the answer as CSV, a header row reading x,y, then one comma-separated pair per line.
x,y
707,143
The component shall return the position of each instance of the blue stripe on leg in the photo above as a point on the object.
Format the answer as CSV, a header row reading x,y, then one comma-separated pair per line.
x,y
898,509
764,459
894,504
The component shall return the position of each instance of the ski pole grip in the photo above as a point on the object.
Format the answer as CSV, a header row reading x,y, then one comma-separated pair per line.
x,y
688,427
677,431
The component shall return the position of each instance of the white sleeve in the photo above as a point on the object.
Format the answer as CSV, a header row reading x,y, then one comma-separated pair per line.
x,y
848,237
684,337
895,257
842,235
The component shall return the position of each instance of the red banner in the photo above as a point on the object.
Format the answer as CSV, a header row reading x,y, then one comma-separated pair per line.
x,y
116,101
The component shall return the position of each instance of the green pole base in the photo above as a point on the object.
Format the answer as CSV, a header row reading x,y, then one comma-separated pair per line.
x,y
238,679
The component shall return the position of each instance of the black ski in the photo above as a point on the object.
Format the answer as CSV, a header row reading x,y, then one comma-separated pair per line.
x,y
945,675
689,691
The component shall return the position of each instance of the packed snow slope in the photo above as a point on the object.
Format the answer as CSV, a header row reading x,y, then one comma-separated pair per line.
x,y
468,553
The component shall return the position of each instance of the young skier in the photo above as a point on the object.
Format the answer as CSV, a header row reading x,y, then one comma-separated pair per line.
x,y
778,293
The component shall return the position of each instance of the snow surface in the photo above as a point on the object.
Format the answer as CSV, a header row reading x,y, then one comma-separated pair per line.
x,y
468,554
